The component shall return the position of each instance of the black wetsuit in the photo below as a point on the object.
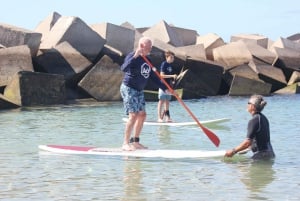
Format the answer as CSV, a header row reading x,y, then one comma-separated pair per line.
x,y
259,134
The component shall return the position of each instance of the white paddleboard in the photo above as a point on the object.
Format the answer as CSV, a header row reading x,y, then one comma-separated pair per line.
x,y
146,153
192,123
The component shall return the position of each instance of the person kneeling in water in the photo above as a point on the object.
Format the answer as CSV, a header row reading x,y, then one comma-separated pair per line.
x,y
258,132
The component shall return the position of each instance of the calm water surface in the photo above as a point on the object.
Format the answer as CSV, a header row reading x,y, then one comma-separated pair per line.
x,y
27,174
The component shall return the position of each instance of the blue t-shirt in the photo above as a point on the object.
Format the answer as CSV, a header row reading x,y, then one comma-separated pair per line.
x,y
167,69
137,73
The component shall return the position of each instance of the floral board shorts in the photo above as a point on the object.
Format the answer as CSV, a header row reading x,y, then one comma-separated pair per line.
x,y
133,99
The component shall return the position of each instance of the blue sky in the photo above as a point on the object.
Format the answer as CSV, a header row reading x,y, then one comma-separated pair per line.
x,y
270,18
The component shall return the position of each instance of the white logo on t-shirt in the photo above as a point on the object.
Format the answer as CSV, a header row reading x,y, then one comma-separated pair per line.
x,y
145,70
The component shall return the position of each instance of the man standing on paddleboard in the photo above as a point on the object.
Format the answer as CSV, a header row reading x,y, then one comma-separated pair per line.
x,y
136,74
258,132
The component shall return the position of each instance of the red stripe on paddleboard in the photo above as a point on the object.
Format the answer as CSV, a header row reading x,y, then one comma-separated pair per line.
x,y
73,148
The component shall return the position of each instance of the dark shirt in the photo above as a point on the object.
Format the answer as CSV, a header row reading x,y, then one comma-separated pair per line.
x,y
137,73
167,69
259,132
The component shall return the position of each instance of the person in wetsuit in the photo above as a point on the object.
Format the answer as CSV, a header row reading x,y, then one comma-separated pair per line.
x,y
258,132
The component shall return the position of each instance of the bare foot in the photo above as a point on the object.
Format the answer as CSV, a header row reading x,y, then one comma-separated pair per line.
x,y
160,120
169,120
138,145
128,147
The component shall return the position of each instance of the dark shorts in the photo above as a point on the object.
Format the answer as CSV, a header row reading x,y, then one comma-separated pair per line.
x,y
133,99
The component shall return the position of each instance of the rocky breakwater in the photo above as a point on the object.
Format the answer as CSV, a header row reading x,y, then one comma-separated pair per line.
x,y
65,59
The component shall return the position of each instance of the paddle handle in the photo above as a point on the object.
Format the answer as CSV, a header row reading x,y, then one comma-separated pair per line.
x,y
213,137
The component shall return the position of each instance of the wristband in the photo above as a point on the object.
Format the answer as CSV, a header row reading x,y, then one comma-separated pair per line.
x,y
233,151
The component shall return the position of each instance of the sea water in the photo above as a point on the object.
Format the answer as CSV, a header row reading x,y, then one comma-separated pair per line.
x,y
29,174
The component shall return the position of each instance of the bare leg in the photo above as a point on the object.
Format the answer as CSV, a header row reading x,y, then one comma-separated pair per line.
x,y
167,103
159,114
141,116
128,129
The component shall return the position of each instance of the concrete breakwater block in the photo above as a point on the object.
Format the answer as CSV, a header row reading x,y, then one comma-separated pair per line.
x,y
269,74
45,26
251,39
5,103
233,54
11,36
64,60
294,78
261,55
201,78
103,81
165,33
242,86
210,41
118,37
13,60
31,88
77,33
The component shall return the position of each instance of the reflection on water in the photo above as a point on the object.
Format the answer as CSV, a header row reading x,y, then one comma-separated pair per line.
x,y
132,180
218,127
257,176
164,134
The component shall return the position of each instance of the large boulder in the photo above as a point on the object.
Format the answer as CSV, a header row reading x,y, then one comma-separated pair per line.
x,y
11,36
294,78
242,86
269,74
193,51
118,37
210,41
13,60
290,89
241,71
294,37
244,71
187,36
288,60
232,54
113,53
261,55
286,43
201,78
45,26
103,81
251,39
165,33
5,103
76,32
63,60
137,35
31,88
